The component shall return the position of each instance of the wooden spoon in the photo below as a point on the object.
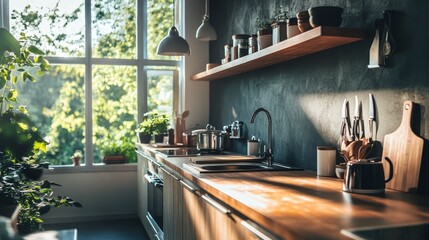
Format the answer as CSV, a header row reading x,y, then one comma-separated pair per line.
x,y
185,114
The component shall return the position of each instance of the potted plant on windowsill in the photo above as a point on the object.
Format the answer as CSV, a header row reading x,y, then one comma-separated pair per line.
x,y
112,153
279,25
265,32
77,155
115,152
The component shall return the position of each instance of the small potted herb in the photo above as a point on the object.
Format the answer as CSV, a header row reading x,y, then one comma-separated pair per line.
x,y
265,32
145,129
279,25
77,155
160,126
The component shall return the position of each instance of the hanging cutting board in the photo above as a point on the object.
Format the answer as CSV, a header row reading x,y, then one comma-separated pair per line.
x,y
404,149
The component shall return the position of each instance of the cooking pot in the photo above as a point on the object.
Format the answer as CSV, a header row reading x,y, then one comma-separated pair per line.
x,y
366,176
209,139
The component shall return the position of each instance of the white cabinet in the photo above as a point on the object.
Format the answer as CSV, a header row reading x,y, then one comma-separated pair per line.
x,y
142,195
141,187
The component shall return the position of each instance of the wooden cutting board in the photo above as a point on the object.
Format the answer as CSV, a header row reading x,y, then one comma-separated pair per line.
x,y
404,149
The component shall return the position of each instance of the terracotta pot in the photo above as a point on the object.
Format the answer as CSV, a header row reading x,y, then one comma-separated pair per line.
x,y
76,161
114,159
265,38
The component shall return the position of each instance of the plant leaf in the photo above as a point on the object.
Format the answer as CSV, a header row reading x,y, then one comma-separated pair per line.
x,y
8,43
35,50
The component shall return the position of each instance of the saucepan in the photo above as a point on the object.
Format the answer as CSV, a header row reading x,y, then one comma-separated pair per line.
x,y
209,139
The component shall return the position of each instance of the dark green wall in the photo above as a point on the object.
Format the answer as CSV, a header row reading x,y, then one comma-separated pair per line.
x,y
305,95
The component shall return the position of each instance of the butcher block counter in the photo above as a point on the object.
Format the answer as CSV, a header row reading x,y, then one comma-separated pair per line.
x,y
300,205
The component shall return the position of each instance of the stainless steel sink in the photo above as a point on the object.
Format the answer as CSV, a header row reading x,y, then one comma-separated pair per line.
x,y
415,231
235,167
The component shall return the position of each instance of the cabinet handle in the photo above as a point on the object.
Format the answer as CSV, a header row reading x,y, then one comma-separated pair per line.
x,y
169,173
255,231
215,204
191,189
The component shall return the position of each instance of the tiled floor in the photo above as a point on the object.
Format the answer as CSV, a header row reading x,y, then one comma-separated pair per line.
x,y
122,229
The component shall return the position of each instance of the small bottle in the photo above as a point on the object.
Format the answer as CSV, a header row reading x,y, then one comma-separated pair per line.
x,y
227,49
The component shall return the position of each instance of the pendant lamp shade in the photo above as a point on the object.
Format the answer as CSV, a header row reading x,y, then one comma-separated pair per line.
x,y
173,44
205,31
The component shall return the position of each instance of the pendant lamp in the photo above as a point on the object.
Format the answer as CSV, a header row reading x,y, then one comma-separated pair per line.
x,y
205,31
173,44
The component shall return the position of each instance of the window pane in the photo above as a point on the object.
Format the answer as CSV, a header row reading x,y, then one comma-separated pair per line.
x,y
114,28
58,25
161,92
56,105
114,110
160,20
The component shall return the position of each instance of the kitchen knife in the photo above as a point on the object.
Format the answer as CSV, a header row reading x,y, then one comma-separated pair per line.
x,y
356,115
372,118
345,126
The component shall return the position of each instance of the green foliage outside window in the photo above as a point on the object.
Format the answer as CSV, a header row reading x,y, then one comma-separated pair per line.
x,y
60,113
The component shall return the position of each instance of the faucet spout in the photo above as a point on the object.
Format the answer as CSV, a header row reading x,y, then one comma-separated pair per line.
x,y
268,152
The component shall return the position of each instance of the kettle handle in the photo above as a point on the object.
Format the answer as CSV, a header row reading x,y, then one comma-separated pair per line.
x,y
390,169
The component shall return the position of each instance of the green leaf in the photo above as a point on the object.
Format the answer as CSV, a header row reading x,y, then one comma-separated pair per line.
x,y
35,50
8,43
2,83
39,146
12,95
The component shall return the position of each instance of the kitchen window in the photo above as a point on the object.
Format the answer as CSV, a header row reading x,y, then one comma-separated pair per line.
x,y
104,71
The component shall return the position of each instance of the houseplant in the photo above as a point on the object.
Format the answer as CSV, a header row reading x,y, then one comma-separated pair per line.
x,y
77,155
279,25
160,124
264,32
145,129
118,151
153,124
21,145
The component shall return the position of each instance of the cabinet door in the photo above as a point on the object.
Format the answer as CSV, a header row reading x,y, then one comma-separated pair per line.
x,y
172,207
222,223
141,187
193,216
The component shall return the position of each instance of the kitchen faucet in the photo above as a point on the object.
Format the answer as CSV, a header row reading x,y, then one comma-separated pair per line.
x,y
268,155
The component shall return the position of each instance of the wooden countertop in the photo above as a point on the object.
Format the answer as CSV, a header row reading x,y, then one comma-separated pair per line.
x,y
300,205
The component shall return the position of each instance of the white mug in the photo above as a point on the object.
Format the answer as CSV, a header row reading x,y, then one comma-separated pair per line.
x,y
326,158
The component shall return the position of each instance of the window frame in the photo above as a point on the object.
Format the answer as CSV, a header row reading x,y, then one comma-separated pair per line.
x,y
141,62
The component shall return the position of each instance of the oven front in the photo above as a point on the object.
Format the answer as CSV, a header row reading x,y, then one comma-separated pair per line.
x,y
155,210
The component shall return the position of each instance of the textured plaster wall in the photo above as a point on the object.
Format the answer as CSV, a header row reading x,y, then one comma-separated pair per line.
x,y
305,95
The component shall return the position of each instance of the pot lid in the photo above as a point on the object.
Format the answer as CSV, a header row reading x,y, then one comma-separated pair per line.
x,y
209,129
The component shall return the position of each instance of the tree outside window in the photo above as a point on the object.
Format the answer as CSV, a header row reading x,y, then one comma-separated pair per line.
x,y
59,101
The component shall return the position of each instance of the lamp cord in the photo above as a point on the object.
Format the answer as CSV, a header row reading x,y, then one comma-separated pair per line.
x,y
207,10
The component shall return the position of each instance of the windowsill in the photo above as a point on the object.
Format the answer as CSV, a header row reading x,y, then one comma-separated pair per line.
x,y
58,169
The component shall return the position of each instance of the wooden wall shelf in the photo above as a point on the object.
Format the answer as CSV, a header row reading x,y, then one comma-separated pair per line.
x,y
312,41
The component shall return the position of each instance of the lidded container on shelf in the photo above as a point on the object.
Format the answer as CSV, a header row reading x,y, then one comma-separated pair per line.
x,y
253,43
239,39
292,27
